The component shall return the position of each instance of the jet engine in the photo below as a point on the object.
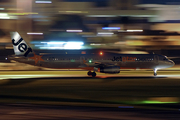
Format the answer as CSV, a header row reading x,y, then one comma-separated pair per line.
x,y
110,69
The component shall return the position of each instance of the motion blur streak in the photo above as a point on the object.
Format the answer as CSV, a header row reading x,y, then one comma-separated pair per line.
x,y
111,28
134,30
65,73
73,30
35,33
24,76
43,1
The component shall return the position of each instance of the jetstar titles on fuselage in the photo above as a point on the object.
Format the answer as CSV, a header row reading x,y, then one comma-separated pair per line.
x,y
124,59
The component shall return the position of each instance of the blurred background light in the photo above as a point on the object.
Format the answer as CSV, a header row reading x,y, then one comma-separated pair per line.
x,y
1,8
43,1
3,14
111,28
75,11
59,45
73,30
27,13
34,33
54,42
105,34
73,45
134,30
4,17
97,44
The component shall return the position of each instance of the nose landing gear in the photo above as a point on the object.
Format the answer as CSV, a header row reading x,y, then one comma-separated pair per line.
x,y
155,72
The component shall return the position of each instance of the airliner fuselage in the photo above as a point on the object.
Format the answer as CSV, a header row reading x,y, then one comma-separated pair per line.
x,y
127,61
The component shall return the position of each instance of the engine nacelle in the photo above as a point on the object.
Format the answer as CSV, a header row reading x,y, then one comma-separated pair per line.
x,y
110,69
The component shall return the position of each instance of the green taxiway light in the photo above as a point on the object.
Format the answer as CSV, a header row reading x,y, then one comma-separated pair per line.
x,y
150,102
90,61
156,102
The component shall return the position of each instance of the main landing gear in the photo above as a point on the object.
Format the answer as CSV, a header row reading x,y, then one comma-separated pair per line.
x,y
93,74
155,72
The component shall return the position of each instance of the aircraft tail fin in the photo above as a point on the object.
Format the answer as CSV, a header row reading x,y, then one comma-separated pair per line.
x,y
19,45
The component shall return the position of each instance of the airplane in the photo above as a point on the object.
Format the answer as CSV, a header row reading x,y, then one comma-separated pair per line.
x,y
103,62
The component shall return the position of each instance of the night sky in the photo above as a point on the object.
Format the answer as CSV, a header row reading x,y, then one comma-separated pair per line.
x,y
159,1
141,1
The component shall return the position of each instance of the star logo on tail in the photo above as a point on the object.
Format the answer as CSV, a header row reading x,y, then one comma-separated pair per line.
x,y
36,58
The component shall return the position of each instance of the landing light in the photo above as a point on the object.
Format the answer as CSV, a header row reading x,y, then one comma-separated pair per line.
x,y
101,53
111,28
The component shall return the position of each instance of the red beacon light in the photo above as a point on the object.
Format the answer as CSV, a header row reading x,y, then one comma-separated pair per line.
x,y
101,53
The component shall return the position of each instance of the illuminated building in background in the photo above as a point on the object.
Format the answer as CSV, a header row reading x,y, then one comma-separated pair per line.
x,y
58,45
112,24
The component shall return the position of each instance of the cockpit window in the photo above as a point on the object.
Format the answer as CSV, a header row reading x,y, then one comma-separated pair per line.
x,y
165,58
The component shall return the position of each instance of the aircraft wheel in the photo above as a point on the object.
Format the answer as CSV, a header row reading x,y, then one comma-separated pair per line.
x,y
93,74
155,74
89,73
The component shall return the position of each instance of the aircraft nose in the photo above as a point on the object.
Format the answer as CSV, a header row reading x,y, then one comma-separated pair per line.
x,y
172,63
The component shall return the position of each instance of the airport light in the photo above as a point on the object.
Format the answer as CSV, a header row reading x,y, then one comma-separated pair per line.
x,y
43,1
111,28
34,33
73,45
74,31
3,14
105,34
101,53
134,30
75,11
25,13
54,42
4,17
97,44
